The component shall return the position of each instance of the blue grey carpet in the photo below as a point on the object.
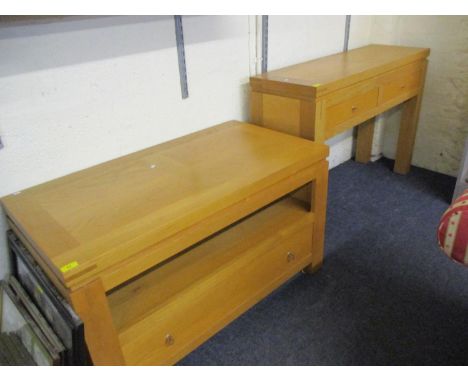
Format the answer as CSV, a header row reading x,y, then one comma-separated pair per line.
x,y
386,295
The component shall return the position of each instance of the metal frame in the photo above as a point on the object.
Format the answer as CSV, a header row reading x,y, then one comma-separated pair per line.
x,y
462,178
346,36
179,32
264,44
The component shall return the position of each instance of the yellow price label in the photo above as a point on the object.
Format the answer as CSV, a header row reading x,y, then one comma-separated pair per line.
x,y
69,266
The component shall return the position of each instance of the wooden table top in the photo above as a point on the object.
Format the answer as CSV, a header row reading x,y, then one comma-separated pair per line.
x,y
120,207
320,76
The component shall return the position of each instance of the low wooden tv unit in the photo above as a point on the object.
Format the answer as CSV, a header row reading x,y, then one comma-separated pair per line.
x,y
160,249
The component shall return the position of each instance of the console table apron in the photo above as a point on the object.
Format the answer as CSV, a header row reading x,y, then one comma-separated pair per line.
x,y
321,98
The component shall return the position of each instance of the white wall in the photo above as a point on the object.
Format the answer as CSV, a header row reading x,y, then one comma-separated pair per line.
x,y
443,124
79,91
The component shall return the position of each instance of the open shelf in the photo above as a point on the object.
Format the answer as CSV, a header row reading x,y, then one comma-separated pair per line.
x,y
197,289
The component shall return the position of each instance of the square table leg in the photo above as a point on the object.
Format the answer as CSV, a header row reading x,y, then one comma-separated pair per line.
x,y
90,303
408,126
319,207
364,140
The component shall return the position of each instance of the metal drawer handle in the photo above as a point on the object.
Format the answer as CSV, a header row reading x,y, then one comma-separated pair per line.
x,y
290,257
169,340
402,86
353,108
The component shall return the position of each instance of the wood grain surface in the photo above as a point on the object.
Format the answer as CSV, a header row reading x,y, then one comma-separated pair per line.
x,y
87,222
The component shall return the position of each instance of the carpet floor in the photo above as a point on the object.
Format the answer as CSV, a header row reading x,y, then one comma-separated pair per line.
x,y
386,294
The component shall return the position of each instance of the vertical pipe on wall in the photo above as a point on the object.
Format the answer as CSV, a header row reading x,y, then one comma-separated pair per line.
x,y
346,36
179,31
264,44
253,46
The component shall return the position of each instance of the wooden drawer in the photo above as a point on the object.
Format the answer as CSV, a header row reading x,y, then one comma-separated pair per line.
x,y
400,83
198,293
347,104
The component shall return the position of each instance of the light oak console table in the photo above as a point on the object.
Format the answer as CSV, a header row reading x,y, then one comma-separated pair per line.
x,y
321,98
160,249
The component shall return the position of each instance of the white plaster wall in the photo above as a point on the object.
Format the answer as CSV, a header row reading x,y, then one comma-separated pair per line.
x,y
443,123
79,91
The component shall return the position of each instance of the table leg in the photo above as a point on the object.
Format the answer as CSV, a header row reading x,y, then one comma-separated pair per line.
x,y
407,135
408,126
319,207
90,303
364,140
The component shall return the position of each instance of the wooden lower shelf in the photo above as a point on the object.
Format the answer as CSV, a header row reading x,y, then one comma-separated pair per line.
x,y
171,309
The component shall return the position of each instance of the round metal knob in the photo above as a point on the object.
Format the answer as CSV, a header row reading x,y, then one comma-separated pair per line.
x,y
353,108
169,340
290,257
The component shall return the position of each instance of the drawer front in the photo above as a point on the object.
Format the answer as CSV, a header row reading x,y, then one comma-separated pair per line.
x,y
400,83
350,103
207,306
